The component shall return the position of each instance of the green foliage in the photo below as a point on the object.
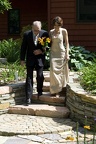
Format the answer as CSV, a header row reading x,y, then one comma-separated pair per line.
x,y
86,128
88,78
10,49
7,74
80,57
47,59
4,5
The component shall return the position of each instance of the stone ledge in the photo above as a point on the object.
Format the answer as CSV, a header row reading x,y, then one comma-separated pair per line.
x,y
5,89
77,89
80,103
4,106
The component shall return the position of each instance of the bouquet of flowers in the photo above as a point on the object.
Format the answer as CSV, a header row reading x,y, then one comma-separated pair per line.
x,y
44,41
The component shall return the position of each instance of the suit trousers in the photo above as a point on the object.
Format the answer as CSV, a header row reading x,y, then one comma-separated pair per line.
x,y
29,80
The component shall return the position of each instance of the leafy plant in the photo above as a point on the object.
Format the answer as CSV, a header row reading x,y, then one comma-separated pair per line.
x,y
10,49
4,5
7,75
80,57
88,77
86,128
47,59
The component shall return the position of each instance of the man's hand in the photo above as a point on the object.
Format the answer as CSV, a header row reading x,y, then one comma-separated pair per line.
x,y
37,52
22,63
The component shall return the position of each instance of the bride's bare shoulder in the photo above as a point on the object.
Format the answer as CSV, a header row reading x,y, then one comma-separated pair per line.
x,y
64,30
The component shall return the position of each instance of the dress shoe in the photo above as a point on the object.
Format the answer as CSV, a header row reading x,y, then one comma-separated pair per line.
x,y
28,101
39,94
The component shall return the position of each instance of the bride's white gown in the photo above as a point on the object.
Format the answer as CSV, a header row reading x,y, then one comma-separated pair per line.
x,y
59,71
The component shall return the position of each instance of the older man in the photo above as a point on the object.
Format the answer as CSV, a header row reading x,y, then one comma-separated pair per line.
x,y
33,52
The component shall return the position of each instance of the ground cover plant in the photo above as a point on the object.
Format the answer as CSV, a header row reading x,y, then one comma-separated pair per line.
x,y
11,73
86,129
88,78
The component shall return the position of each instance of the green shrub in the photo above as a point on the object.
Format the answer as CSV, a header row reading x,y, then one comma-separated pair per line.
x,y
88,78
10,49
80,57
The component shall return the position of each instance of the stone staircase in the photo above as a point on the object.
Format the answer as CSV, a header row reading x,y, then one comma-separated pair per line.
x,y
46,105
46,119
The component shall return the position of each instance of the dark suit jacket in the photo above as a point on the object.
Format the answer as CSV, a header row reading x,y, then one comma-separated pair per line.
x,y
28,47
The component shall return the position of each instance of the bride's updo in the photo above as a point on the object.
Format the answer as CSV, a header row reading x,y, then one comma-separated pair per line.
x,y
58,20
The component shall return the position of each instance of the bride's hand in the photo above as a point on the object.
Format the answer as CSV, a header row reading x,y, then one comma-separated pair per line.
x,y
67,57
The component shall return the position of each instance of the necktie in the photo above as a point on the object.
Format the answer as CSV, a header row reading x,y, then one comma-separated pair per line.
x,y
36,40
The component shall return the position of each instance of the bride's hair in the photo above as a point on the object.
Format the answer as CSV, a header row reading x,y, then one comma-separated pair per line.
x,y
58,20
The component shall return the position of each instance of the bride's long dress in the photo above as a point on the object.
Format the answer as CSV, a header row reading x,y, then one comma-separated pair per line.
x,y
59,72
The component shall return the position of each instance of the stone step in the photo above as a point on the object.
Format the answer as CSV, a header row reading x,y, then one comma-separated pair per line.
x,y
47,78
40,110
46,98
46,86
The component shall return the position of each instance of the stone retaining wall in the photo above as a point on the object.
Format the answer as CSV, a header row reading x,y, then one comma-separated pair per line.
x,y
81,104
11,95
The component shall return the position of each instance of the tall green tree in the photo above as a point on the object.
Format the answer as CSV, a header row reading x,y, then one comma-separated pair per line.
x,y
4,5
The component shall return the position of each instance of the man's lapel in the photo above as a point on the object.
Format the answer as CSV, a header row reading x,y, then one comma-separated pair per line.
x,y
40,34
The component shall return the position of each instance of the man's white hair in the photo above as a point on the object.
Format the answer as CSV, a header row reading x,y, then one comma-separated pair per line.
x,y
38,24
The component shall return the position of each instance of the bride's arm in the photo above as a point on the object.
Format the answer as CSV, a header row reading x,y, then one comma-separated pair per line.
x,y
66,44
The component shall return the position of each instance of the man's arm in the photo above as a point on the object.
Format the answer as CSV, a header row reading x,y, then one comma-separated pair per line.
x,y
23,49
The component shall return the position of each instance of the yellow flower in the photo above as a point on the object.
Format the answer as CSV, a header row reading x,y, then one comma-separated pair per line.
x,y
87,127
70,138
48,40
44,41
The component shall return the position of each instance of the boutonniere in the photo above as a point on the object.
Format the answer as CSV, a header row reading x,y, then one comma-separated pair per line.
x,y
44,41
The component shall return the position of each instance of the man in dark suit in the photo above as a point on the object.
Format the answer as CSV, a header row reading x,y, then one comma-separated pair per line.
x,y
33,52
